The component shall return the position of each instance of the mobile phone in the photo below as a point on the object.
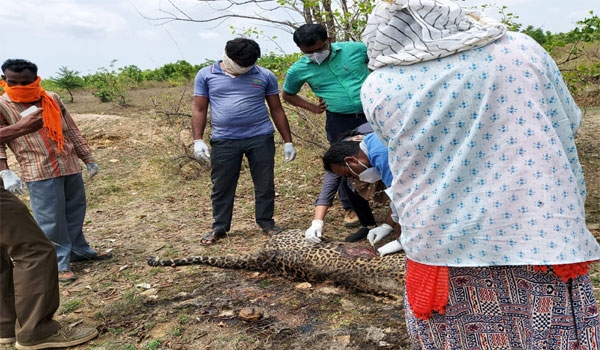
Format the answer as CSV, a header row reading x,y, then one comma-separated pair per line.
x,y
29,111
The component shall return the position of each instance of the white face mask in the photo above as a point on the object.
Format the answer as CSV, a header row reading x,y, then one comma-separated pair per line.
x,y
319,56
231,68
370,175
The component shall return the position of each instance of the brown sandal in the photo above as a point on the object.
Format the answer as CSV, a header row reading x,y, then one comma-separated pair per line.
x,y
66,277
212,237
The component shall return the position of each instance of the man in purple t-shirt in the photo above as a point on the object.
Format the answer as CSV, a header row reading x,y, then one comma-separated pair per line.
x,y
236,90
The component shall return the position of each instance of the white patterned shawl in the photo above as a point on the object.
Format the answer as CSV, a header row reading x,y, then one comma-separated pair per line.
x,y
403,32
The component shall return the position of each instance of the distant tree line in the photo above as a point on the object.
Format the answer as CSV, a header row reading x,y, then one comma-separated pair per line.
x,y
577,53
111,84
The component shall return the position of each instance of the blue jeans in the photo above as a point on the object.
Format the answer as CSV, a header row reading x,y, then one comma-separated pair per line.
x,y
226,162
58,206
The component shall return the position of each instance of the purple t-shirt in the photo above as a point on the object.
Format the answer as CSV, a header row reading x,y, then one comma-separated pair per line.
x,y
237,105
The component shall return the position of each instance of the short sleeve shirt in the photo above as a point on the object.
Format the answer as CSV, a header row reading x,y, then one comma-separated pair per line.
x,y
337,80
378,157
238,108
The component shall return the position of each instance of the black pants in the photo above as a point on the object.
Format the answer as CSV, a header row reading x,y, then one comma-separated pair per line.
x,y
359,204
336,126
226,162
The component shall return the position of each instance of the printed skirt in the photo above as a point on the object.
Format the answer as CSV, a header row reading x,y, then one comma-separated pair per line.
x,y
510,307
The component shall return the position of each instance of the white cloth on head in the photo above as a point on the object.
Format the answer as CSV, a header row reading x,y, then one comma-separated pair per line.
x,y
403,32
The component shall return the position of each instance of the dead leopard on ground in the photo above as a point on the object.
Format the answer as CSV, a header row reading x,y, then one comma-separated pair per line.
x,y
288,254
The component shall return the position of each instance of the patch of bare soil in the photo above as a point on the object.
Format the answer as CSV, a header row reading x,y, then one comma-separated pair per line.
x,y
139,205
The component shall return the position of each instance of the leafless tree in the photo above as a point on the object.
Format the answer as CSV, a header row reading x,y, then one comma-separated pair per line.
x,y
344,19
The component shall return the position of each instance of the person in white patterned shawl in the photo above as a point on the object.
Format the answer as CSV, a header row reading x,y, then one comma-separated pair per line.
x,y
480,129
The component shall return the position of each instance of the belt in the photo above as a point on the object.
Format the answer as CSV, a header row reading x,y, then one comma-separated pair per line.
x,y
346,115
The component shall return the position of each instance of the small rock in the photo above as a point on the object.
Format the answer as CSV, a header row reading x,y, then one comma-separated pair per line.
x,y
149,293
250,314
304,285
226,313
343,340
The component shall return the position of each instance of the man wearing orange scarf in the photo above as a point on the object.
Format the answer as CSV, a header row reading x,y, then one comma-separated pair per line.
x,y
50,163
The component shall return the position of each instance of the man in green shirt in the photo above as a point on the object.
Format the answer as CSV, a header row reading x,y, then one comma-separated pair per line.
x,y
335,73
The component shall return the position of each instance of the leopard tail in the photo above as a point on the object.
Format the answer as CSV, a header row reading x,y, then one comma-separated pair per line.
x,y
249,261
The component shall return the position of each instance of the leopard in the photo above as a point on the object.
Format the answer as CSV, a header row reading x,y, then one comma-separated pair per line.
x,y
289,254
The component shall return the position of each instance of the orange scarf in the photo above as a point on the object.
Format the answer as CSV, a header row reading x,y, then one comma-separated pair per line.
x,y
51,114
428,287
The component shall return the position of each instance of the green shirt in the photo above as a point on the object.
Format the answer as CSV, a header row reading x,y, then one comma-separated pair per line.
x,y
337,80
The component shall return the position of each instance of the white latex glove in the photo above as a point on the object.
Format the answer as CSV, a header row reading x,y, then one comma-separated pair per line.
x,y
92,169
12,182
290,151
201,151
390,248
314,232
378,233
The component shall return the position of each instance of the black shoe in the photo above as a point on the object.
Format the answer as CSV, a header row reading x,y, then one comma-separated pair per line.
x,y
358,235
97,257
271,230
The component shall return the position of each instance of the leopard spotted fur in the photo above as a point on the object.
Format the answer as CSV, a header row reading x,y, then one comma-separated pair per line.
x,y
289,254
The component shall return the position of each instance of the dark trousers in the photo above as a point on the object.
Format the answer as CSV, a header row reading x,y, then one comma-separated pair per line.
x,y
332,182
359,204
336,126
29,294
226,162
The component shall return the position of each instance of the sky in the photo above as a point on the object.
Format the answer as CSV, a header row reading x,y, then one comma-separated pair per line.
x,y
86,35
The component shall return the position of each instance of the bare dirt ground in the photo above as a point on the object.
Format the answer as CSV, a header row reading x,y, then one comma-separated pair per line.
x,y
145,203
